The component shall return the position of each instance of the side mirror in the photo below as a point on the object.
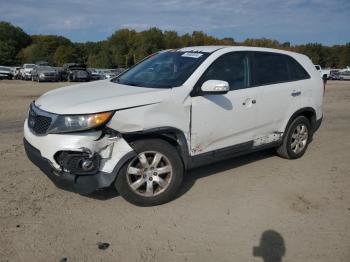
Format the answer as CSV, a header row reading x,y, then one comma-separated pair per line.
x,y
215,87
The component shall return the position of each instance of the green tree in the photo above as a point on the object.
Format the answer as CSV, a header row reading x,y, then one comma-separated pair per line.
x,y
103,59
152,40
43,48
7,53
344,56
12,40
316,52
66,54
172,40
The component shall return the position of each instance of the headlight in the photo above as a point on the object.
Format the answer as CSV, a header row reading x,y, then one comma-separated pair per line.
x,y
72,123
41,75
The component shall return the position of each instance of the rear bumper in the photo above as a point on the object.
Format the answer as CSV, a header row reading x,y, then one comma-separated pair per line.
x,y
83,184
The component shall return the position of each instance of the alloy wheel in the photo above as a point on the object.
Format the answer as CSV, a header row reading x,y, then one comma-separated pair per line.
x,y
299,138
149,174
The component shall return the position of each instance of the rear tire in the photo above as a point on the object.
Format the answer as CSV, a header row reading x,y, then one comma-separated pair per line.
x,y
154,176
296,139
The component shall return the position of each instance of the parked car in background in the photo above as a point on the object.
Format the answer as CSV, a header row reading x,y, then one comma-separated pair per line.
x,y
176,110
120,70
344,75
109,73
323,72
6,72
17,73
95,74
26,73
74,72
334,75
44,73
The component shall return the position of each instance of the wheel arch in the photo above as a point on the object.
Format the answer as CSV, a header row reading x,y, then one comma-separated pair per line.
x,y
308,112
171,135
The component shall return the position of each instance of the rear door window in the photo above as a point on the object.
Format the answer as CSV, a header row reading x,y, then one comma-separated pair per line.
x,y
269,68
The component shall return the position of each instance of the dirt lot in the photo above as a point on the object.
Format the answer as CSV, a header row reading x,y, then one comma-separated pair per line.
x,y
296,209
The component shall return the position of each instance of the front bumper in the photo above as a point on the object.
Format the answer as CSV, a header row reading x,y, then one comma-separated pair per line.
x,y
83,184
114,152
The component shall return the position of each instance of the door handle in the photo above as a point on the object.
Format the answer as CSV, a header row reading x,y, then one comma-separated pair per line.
x,y
296,93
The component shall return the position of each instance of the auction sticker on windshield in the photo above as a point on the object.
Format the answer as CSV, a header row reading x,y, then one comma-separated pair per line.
x,y
193,55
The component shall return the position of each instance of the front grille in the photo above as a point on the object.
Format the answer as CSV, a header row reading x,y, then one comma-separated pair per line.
x,y
39,124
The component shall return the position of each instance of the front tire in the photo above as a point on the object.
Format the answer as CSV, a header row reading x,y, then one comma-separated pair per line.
x,y
154,176
296,139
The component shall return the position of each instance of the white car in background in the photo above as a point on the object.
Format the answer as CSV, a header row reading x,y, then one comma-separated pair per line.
x,y
325,73
344,75
175,110
26,72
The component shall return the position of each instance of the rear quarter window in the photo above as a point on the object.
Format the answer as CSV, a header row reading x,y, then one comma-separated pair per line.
x,y
296,71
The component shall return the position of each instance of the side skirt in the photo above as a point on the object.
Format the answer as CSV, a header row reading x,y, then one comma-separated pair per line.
x,y
228,152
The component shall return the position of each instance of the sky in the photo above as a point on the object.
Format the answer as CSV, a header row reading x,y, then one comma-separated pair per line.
x,y
296,21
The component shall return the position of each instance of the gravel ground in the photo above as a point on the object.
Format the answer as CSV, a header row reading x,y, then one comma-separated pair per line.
x,y
242,209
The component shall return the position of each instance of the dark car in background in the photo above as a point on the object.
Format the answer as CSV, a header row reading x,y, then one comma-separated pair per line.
x,y
5,72
334,75
95,74
75,72
44,73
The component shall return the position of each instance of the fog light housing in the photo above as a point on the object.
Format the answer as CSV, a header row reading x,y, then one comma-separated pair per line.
x,y
78,163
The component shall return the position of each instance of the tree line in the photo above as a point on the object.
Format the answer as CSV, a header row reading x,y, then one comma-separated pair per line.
x,y
126,47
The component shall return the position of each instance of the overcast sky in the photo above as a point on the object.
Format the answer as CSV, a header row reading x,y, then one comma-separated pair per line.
x,y
296,21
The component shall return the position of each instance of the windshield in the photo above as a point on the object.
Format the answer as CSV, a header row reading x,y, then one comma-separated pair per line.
x,y
163,70
29,66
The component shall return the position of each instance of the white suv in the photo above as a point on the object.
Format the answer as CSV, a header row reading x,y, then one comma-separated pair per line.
x,y
175,110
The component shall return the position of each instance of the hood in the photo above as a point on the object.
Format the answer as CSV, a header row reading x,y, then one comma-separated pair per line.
x,y
98,96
